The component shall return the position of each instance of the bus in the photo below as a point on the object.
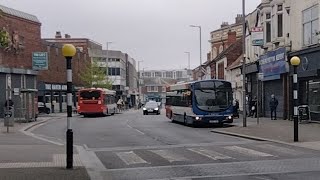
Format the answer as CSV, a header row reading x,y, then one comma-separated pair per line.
x,y
96,101
200,102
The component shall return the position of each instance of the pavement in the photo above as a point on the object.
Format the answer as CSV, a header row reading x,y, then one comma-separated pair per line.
x,y
279,131
25,156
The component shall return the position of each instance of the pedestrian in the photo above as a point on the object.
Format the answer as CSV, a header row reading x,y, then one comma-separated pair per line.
x,y
254,107
273,107
120,104
236,108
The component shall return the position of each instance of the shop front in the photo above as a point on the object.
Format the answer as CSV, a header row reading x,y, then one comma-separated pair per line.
x,y
309,80
275,70
54,96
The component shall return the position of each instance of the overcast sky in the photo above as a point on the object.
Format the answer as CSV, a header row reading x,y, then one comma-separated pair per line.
x,y
154,31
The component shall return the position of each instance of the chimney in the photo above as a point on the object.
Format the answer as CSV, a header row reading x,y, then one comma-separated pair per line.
x,y
224,24
232,37
239,19
58,35
67,36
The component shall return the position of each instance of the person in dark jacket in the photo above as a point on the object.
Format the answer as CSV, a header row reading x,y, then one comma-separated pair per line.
x,y
273,104
8,104
236,109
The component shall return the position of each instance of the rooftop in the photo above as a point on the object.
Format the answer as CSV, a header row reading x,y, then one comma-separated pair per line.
x,y
20,14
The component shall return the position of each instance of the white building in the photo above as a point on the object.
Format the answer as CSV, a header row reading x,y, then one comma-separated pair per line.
x,y
178,74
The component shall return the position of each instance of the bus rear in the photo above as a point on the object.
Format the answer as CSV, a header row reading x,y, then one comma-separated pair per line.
x,y
91,102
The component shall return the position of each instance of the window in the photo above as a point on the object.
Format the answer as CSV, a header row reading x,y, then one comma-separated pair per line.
x,y
268,15
179,74
147,74
310,23
268,31
181,98
164,89
152,88
214,52
280,25
169,74
220,49
158,74
221,70
114,71
280,7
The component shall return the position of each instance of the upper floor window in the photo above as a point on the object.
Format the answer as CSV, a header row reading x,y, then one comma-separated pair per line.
x,y
214,52
152,88
114,71
158,74
279,20
220,49
310,23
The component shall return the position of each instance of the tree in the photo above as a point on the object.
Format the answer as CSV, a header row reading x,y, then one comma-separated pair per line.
x,y
95,76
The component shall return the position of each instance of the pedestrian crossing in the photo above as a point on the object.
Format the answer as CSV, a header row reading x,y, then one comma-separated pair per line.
x,y
207,154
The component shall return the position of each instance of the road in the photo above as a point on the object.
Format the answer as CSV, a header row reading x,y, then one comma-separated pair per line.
x,y
134,146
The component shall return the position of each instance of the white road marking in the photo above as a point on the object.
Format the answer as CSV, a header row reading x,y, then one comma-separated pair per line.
x,y
169,155
209,153
279,149
130,158
134,128
247,151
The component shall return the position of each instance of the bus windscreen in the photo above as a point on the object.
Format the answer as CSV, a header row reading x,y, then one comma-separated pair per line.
x,y
90,95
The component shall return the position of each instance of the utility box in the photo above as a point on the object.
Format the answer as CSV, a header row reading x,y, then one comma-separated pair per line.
x,y
9,117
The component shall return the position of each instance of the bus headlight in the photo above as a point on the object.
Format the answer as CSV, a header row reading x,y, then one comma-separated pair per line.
x,y
229,117
144,109
198,118
156,109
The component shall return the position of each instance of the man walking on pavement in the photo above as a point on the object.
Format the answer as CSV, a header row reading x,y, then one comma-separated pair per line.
x,y
273,107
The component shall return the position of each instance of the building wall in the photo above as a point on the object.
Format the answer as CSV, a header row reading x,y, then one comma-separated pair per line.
x,y
296,27
56,72
28,34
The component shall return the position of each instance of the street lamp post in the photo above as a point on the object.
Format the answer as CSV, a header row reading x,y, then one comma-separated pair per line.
x,y
295,61
107,58
188,59
139,80
244,64
200,46
68,51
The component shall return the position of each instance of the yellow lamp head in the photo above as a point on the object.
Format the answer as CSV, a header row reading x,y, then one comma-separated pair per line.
x,y
295,61
68,50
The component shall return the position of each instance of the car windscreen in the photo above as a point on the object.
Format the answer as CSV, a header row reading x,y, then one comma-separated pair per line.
x,y
90,95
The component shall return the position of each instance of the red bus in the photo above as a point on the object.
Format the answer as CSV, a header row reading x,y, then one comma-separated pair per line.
x,y
96,101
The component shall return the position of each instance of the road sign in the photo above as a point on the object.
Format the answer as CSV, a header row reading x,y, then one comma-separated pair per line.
x,y
40,61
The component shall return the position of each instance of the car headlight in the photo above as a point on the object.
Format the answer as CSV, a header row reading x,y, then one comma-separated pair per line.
x,y
144,109
156,109
229,117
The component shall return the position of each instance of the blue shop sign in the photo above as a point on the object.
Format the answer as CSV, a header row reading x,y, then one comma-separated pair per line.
x,y
273,64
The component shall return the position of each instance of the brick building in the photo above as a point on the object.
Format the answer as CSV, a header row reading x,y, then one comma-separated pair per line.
x,y
52,82
20,36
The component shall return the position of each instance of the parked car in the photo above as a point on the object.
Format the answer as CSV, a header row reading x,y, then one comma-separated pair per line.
x,y
42,108
151,107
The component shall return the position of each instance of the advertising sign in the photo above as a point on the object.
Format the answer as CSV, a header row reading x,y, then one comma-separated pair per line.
x,y
257,36
40,61
273,63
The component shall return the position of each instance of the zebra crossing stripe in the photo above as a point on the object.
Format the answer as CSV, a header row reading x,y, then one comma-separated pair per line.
x,y
209,153
130,158
279,149
247,151
168,155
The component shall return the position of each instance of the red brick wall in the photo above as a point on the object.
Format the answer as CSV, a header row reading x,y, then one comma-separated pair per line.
x,y
235,53
29,35
57,66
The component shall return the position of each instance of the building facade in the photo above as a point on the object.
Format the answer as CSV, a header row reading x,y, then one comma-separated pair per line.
x,y
178,74
21,36
305,44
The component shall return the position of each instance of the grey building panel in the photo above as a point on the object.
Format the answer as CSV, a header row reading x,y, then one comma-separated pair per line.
x,y
17,71
20,14
15,81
